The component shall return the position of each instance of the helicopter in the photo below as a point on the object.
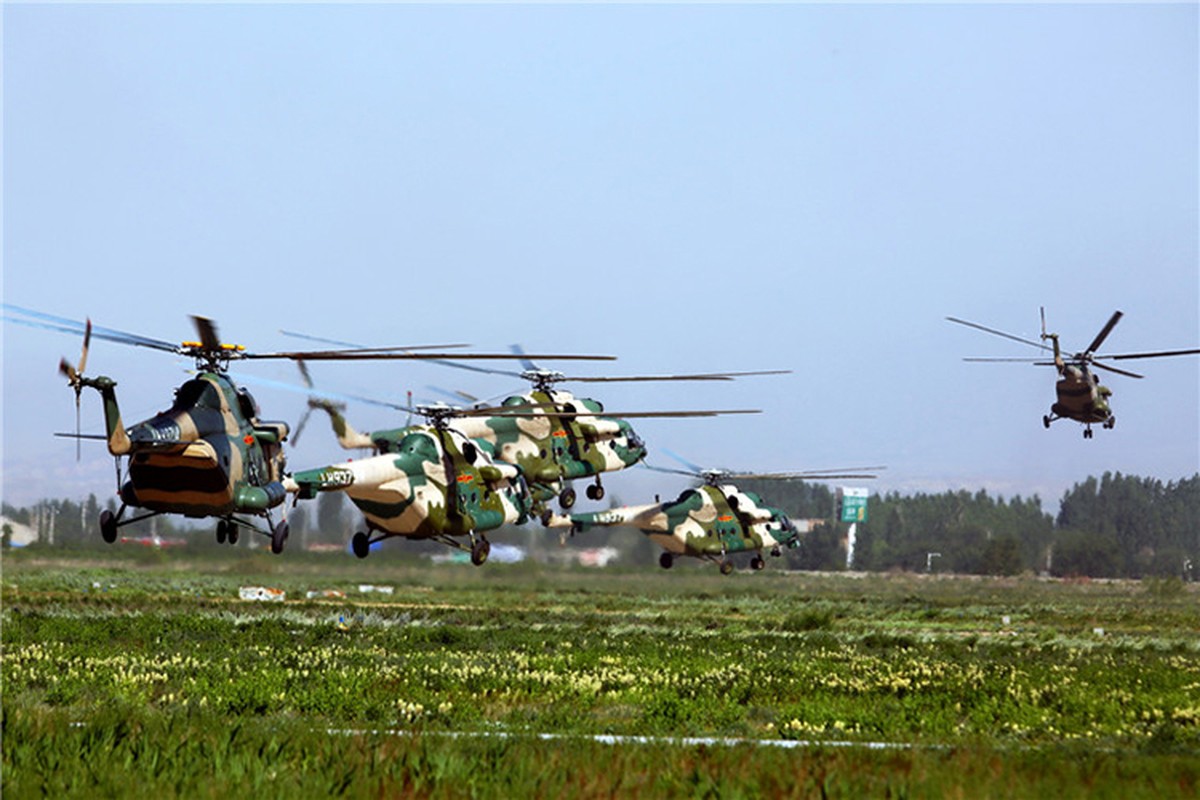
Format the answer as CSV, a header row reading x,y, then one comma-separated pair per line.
x,y
1079,394
711,521
573,438
209,454
432,482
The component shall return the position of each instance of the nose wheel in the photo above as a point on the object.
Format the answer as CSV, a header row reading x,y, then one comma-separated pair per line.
x,y
566,498
480,548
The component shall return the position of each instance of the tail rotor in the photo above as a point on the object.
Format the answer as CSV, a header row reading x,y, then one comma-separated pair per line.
x,y
74,376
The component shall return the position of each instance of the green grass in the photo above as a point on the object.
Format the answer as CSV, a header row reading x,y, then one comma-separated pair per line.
x,y
152,671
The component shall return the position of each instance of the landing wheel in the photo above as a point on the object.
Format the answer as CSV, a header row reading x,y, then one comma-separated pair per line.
x,y
108,526
232,534
726,567
595,492
757,563
222,531
1046,422
1087,433
360,544
665,560
279,535
479,551
566,498
1110,423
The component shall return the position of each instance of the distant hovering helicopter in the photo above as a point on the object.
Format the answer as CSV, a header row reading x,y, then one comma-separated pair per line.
x,y
573,437
711,521
432,482
1080,395
209,454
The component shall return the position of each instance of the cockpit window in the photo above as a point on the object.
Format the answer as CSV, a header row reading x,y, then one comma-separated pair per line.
x,y
198,394
246,403
419,444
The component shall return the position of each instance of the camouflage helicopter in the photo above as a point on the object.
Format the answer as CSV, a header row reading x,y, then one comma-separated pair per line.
x,y
1079,394
711,521
430,482
209,454
573,437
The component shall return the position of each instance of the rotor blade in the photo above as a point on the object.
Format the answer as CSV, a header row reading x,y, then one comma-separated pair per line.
x,y
655,414
995,332
457,395
1157,354
64,325
291,387
300,425
67,370
690,465
810,475
670,471
526,361
704,376
87,340
1104,332
385,354
354,346
207,329
1118,371
1012,360
99,437
304,373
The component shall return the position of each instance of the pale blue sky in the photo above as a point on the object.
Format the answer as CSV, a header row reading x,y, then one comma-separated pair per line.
x,y
711,187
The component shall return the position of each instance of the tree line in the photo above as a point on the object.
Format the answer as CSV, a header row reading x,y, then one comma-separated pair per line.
x,y
1116,526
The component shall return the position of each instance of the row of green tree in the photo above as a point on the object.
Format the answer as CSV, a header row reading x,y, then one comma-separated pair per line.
x,y
1114,526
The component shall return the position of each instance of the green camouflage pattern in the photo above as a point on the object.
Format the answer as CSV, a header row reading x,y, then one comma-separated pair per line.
x,y
550,449
432,483
711,522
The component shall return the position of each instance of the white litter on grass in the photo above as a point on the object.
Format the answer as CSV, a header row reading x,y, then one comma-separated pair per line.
x,y
367,588
262,593
318,593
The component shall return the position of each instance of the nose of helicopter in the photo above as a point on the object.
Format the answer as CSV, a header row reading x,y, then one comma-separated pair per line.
x,y
158,430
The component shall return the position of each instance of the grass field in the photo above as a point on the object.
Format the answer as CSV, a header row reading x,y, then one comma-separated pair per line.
x,y
144,668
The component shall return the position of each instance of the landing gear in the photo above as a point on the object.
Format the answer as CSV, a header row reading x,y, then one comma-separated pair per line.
x,y
566,498
595,491
479,551
227,531
360,544
726,567
108,526
1046,421
1110,423
1087,432
665,560
279,534
757,563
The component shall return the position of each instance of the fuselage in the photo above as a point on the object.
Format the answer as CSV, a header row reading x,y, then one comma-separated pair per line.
x,y
207,455
432,484
707,521
1081,396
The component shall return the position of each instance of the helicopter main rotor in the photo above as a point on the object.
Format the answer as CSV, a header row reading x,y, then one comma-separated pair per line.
x,y
1083,359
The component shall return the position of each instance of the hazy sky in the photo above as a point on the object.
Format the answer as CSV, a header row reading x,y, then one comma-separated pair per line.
x,y
687,187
